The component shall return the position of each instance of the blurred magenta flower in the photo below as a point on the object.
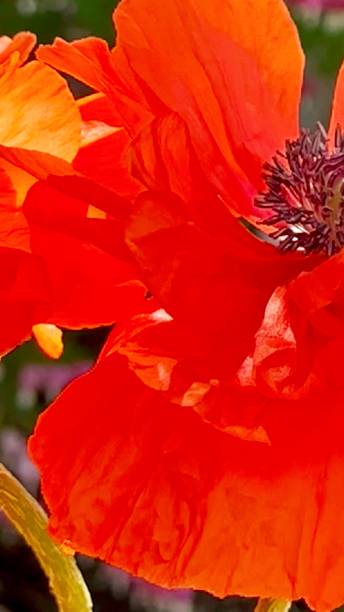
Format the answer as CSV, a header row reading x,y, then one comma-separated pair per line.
x,y
13,452
35,380
318,5
145,596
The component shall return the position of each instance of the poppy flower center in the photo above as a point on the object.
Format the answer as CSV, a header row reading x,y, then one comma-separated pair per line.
x,y
305,193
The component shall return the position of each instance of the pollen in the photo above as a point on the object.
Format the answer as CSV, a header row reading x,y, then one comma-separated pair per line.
x,y
305,193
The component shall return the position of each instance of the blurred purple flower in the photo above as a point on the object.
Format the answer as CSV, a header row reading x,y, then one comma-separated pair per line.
x,y
319,5
46,380
13,454
145,596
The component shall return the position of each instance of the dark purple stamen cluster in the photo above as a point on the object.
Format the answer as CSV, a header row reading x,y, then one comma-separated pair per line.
x,y
305,193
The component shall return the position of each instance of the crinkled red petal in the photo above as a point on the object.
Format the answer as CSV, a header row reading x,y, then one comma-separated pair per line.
x,y
230,137
150,487
237,91
214,280
105,160
22,296
91,279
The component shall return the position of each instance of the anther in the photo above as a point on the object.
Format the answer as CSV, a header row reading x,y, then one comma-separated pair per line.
x,y
305,193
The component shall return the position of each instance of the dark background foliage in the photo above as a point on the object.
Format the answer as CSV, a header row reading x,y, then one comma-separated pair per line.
x,y
28,380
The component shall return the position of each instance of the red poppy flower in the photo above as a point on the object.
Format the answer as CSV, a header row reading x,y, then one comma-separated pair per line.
x,y
49,277
204,449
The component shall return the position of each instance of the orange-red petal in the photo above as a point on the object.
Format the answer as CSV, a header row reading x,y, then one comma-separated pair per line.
x,y
98,106
236,87
315,303
216,284
38,112
14,229
75,201
337,115
261,402
103,155
66,265
90,61
91,278
21,44
150,487
22,296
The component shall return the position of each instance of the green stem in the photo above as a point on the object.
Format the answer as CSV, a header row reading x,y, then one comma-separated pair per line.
x,y
26,515
272,605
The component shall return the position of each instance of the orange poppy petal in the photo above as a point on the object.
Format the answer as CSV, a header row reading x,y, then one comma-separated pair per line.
x,y
151,488
7,192
236,88
315,306
163,159
24,166
98,106
48,121
170,358
49,339
22,43
87,60
253,404
104,155
64,278
207,282
19,178
337,115
206,92
74,200
87,286
14,230
104,159
90,61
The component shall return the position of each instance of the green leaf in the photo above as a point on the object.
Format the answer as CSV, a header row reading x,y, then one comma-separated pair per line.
x,y
28,518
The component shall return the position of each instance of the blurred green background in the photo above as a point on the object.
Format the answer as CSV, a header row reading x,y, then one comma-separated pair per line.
x,y
49,18
28,380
